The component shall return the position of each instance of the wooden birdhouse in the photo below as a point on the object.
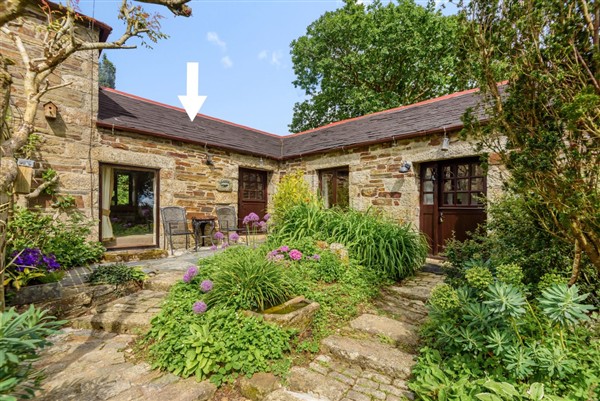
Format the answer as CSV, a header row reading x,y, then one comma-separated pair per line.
x,y
50,110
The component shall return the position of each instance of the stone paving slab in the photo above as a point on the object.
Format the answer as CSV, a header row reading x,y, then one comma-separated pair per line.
x,y
131,314
84,365
371,354
399,332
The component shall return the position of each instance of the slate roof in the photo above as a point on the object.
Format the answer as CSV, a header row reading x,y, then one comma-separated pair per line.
x,y
126,112
131,113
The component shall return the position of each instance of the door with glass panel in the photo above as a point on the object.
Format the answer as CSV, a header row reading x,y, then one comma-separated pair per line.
x,y
128,212
451,200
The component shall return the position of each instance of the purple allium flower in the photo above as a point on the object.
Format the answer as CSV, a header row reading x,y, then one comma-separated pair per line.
x,y
316,256
219,235
263,226
295,254
267,217
250,218
224,245
206,285
284,248
234,237
190,274
213,248
199,307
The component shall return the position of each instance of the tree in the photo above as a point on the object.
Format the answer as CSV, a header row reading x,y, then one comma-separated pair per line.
x,y
362,59
60,42
107,73
545,122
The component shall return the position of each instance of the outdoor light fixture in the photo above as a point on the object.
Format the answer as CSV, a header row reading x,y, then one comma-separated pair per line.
x,y
209,160
405,167
445,142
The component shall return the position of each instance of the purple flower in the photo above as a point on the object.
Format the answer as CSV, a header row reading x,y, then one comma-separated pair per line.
x,y
213,248
234,237
206,285
267,217
278,257
250,218
263,226
199,307
219,235
190,274
284,248
316,256
224,245
273,254
295,254
51,264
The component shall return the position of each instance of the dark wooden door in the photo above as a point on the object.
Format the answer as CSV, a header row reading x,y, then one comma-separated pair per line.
x,y
252,196
451,200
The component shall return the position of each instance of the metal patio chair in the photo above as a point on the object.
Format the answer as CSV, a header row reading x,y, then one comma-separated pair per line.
x,y
175,223
228,221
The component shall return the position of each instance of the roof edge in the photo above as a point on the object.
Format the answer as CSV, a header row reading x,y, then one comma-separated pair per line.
x,y
101,124
104,28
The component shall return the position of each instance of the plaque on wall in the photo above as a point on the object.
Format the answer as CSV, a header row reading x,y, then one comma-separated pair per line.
x,y
224,185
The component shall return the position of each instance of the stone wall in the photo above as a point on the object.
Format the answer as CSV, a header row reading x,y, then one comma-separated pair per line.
x,y
375,180
185,178
66,140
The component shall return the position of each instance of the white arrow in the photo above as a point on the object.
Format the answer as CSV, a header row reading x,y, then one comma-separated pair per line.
x,y
191,101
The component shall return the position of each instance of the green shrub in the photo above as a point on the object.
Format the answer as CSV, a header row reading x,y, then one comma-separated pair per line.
x,y
219,344
500,335
292,190
22,336
246,279
66,239
513,236
394,250
117,274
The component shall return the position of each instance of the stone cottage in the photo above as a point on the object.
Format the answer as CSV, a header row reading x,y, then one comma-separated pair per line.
x,y
124,157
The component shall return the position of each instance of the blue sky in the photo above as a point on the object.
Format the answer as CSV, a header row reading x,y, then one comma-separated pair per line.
x,y
243,50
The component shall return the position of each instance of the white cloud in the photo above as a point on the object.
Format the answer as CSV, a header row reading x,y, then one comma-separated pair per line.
x,y
226,61
276,58
273,58
213,37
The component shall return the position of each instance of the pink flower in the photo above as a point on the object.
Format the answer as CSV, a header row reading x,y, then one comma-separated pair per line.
x,y
234,237
263,226
295,254
250,218
224,245
219,235
316,256
213,248
206,285
284,248
267,217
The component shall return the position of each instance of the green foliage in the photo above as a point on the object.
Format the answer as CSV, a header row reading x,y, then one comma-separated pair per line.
x,y
479,277
33,142
65,238
22,336
246,279
513,236
497,344
544,125
361,59
393,250
48,175
219,344
107,73
117,274
291,190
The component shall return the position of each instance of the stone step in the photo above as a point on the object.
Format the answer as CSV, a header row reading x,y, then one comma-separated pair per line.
x,y
369,354
412,291
131,314
318,385
287,395
402,309
401,333
163,281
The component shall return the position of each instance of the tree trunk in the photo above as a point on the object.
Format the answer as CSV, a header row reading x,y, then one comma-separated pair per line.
x,y
5,84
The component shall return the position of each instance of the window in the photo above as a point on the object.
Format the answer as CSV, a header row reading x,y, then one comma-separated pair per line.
x,y
462,184
334,187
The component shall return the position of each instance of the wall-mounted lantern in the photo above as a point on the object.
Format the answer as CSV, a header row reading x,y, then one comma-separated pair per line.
x,y
405,167
50,110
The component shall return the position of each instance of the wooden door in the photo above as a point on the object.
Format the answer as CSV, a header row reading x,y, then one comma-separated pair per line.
x,y
252,195
451,200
